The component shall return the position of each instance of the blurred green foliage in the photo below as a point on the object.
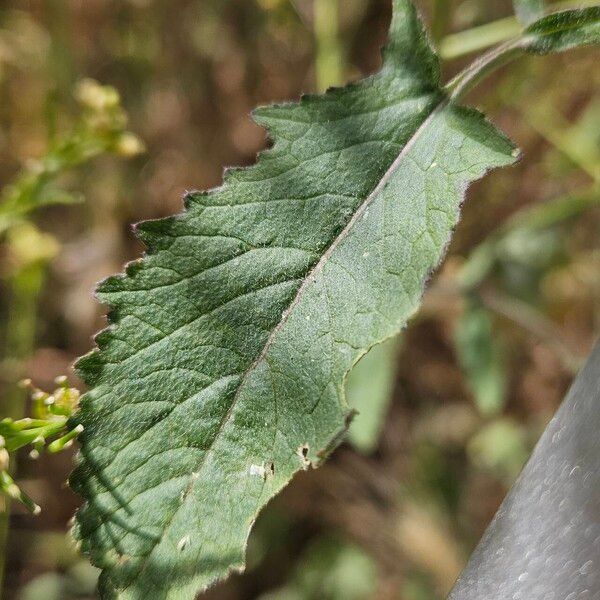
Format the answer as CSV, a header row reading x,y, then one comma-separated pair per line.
x,y
98,129
481,358
330,570
369,389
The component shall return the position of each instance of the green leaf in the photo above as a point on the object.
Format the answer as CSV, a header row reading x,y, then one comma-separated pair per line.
x,y
222,371
528,11
481,358
369,388
563,30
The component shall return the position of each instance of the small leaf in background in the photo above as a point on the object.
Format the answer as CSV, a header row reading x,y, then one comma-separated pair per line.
x,y
528,11
78,582
27,246
481,358
417,586
578,142
49,586
330,569
369,388
500,448
524,256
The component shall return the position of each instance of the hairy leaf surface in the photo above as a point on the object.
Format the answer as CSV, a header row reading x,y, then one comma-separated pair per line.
x,y
221,373
563,30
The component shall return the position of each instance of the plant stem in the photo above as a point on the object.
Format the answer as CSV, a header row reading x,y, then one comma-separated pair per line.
x,y
25,287
329,59
459,44
484,36
4,526
478,70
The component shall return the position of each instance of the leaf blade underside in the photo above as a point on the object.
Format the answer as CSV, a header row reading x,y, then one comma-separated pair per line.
x,y
221,374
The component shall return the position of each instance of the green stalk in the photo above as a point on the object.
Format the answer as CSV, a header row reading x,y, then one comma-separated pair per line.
x,y
25,287
459,44
467,79
329,60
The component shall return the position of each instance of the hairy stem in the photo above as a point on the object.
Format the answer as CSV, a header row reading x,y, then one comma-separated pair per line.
x,y
25,287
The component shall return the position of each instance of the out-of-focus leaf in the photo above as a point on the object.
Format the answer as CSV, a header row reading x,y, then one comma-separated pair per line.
x,y
330,570
50,586
82,579
481,358
28,245
369,388
579,142
500,448
562,31
534,248
527,238
554,212
418,586
528,11
583,138
79,581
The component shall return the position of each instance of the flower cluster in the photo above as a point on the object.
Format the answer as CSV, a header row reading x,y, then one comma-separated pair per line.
x,y
47,429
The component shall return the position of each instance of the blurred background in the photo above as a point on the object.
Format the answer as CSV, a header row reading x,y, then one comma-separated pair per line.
x,y
111,109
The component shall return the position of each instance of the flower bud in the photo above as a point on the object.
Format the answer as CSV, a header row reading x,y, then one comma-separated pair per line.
x,y
4,459
129,145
